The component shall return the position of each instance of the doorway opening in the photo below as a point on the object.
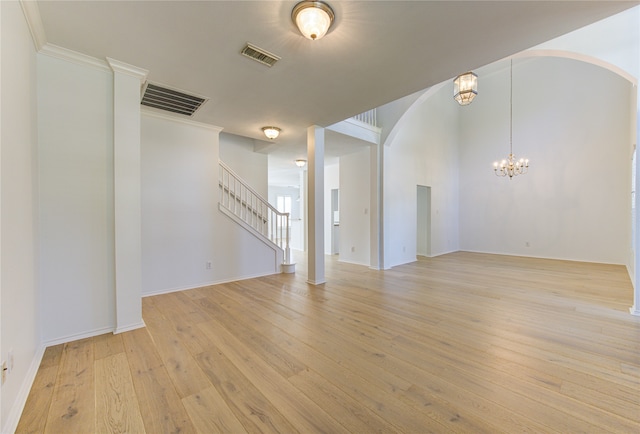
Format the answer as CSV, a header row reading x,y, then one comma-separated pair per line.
x,y
423,244
335,222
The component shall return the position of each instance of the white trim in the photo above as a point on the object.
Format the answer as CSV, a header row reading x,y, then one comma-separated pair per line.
x,y
127,69
153,114
316,282
78,336
634,311
358,129
354,263
206,284
74,57
139,325
34,22
565,54
21,399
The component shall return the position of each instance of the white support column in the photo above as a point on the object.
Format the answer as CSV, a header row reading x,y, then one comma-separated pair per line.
x,y
635,309
376,221
315,198
303,209
127,82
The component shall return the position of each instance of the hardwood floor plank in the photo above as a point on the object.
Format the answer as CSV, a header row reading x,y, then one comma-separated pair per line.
x,y
41,394
107,345
279,360
345,358
355,417
300,411
73,403
38,402
256,413
116,402
160,406
52,356
461,343
183,370
210,413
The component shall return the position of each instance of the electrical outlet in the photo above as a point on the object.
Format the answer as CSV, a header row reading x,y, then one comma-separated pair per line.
x,y
10,361
4,372
208,265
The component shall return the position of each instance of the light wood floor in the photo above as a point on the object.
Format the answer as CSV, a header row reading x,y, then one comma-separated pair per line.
x,y
460,343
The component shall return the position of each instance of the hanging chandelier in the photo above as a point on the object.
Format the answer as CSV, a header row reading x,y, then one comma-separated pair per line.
x,y
465,88
511,166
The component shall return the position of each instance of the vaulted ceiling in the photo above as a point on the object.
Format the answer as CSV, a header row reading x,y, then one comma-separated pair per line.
x,y
376,51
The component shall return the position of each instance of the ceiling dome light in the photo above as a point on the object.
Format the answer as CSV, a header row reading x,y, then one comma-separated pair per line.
x,y
313,18
301,163
271,132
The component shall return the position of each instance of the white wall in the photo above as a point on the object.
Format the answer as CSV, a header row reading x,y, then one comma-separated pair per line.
x,y
237,153
613,40
422,151
571,119
355,207
182,228
331,182
75,128
19,329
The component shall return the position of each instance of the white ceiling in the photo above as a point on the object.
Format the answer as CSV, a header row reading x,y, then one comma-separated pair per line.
x,y
376,51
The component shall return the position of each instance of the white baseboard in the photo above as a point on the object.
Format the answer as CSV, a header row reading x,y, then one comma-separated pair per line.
x,y
78,336
18,405
634,310
138,325
205,284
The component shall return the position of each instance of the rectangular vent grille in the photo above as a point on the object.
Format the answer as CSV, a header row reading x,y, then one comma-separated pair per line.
x,y
259,55
171,100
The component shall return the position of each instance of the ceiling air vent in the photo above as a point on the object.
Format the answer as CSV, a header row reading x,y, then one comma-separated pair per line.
x,y
259,55
171,100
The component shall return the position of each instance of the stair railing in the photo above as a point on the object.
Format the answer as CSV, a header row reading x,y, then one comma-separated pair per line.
x,y
369,117
237,197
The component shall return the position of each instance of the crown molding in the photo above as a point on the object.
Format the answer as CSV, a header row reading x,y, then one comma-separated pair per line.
x,y
154,114
74,57
34,22
127,69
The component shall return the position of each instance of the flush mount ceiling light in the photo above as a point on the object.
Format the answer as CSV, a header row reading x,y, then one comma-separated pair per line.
x,y
301,163
313,18
271,132
465,88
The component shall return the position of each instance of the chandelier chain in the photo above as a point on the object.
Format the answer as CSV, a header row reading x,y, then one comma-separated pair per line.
x,y
511,108
510,166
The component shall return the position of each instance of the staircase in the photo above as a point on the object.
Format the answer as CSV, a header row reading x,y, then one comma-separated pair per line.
x,y
248,208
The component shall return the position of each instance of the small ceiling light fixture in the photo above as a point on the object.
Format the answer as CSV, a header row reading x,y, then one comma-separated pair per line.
x,y
301,163
465,88
313,18
510,166
271,132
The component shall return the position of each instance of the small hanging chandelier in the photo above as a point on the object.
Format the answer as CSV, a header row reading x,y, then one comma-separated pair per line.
x,y
313,18
510,166
465,88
